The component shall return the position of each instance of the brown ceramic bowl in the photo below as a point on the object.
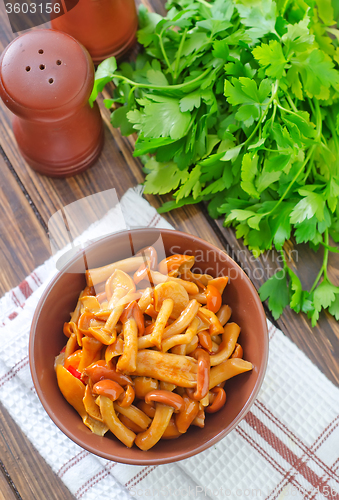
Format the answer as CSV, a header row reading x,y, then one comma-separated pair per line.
x,y
60,297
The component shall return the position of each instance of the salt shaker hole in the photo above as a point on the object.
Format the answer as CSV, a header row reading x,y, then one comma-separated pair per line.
x,y
28,68
59,62
40,51
42,66
51,81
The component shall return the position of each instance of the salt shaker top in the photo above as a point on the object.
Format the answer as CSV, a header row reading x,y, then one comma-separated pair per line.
x,y
45,75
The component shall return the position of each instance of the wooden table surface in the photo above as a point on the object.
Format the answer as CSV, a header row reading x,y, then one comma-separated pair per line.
x,y
28,200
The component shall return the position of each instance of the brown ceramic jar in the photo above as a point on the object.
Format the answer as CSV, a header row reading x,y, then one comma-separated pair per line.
x,y
46,78
105,27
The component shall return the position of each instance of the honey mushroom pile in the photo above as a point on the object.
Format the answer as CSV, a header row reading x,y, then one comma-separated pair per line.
x,y
147,363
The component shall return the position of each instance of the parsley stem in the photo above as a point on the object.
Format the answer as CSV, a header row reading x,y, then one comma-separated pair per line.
x,y
274,112
323,269
317,138
283,258
329,247
317,279
178,56
282,150
331,126
163,87
308,171
334,135
291,112
308,157
274,95
161,43
282,12
291,103
130,94
319,120
325,263
311,105
203,2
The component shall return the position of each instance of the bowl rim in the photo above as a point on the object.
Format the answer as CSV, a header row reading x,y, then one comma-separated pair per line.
x,y
180,455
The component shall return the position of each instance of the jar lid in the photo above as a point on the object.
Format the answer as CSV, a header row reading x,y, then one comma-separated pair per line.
x,y
45,70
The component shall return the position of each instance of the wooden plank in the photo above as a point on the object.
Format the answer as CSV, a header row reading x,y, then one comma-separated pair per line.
x,y
7,489
154,5
32,477
23,244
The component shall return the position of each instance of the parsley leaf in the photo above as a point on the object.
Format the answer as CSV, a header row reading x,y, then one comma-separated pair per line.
x,y
324,296
312,204
163,176
334,307
296,291
260,18
276,291
249,170
298,37
103,75
272,58
161,117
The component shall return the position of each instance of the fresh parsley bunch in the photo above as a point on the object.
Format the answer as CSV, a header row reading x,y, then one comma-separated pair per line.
x,y
236,103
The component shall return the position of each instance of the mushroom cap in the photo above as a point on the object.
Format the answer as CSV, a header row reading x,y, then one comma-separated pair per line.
x,y
171,290
176,262
119,279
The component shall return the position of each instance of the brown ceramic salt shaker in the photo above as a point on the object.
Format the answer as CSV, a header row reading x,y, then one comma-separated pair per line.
x,y
105,27
46,78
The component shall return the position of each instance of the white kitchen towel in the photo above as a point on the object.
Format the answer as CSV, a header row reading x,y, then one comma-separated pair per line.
x,y
287,447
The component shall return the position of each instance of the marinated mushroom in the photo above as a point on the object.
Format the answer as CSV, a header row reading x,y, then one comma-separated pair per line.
x,y
174,291
169,347
117,286
184,419
151,261
166,404
176,264
218,401
108,388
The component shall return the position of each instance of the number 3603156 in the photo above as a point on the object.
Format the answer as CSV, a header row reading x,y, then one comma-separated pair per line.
x,y
32,8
